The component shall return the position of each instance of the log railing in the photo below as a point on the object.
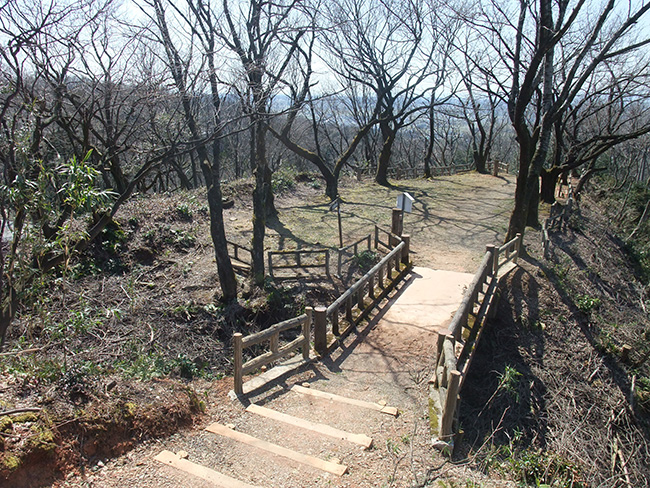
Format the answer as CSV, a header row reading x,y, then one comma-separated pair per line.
x,y
391,238
456,346
275,352
357,301
501,167
509,252
341,259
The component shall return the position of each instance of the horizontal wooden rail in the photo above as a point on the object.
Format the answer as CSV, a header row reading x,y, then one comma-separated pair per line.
x,y
510,252
355,296
459,321
272,334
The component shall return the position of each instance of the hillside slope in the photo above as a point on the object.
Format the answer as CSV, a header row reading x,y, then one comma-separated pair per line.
x,y
559,392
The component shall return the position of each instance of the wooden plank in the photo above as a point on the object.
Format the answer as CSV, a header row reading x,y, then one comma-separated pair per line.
x,y
342,399
361,439
315,462
207,474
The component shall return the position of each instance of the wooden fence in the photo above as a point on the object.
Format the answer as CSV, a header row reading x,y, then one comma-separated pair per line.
x,y
341,259
242,256
391,238
272,335
302,259
501,167
457,345
413,173
355,304
352,304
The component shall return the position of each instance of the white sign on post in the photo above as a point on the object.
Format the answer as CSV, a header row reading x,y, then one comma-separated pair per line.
x,y
405,202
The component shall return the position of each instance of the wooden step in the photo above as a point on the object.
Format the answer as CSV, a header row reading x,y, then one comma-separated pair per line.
x,y
342,399
207,474
315,462
361,439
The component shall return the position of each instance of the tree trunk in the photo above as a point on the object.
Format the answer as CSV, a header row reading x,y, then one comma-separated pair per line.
x,y
331,185
479,161
260,211
388,136
532,215
549,182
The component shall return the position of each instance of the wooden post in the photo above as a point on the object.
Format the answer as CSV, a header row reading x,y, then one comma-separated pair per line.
x,y
380,277
327,263
360,303
320,330
348,309
339,264
517,248
396,223
376,237
395,226
406,249
306,327
397,263
492,249
275,339
238,360
371,287
449,409
270,254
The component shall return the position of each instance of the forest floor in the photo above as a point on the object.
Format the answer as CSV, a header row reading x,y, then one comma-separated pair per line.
x,y
145,346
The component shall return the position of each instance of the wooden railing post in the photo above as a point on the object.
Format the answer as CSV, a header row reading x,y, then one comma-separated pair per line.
x,y
517,248
449,409
238,360
306,333
494,268
396,226
327,263
320,330
406,238
270,258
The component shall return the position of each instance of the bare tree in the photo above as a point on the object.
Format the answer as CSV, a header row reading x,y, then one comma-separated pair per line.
x,y
200,23
264,37
399,50
539,84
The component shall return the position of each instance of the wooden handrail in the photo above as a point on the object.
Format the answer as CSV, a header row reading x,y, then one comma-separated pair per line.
x,y
272,334
365,278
